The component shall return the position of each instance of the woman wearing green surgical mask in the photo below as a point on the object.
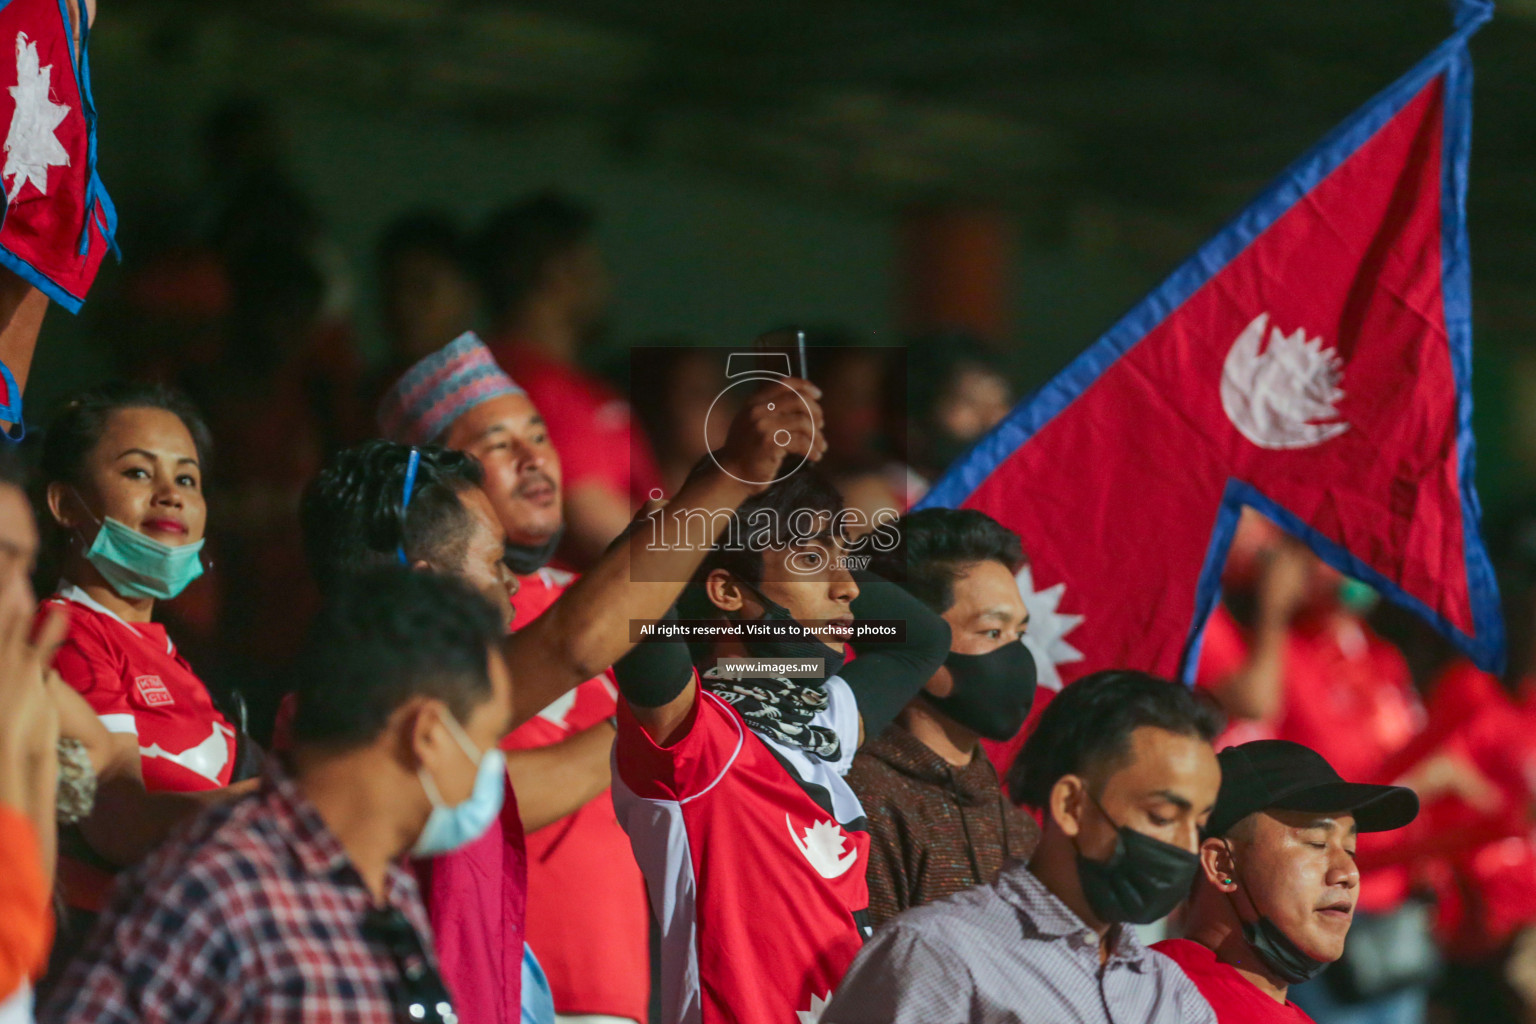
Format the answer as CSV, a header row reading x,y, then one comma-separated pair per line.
x,y
123,467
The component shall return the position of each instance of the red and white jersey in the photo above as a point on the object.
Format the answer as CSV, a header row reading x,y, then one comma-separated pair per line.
x,y
754,854
136,683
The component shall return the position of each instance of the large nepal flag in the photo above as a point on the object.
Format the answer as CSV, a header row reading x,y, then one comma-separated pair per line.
x,y
1311,361
58,220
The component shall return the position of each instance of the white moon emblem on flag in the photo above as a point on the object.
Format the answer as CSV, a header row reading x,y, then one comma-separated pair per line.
x,y
1286,396
31,147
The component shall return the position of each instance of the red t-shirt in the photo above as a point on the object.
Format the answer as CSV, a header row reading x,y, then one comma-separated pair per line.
x,y
586,899
754,853
590,424
1235,999
1484,862
137,684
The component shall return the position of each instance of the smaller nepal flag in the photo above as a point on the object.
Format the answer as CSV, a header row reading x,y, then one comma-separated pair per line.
x,y
58,219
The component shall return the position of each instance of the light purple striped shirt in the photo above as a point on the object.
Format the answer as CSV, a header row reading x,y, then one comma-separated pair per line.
x,y
1009,953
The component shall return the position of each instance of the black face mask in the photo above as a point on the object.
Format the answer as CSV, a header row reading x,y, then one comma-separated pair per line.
x,y
525,559
993,691
1274,947
805,646
1143,880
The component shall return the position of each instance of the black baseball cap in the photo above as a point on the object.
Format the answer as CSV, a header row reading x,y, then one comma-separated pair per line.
x,y
1283,776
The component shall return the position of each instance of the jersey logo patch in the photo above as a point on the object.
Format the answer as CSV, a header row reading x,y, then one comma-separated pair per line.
x,y
154,692
822,846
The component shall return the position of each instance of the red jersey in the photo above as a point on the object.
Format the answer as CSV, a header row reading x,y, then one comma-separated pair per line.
x,y
754,853
1485,857
586,917
137,684
1235,999
590,424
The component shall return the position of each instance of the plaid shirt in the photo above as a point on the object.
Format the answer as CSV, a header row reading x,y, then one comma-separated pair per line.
x,y
254,914
1009,953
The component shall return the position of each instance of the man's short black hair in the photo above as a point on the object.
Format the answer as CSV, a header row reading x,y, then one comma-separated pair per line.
x,y
518,242
775,518
937,544
1087,728
423,231
765,520
354,514
383,637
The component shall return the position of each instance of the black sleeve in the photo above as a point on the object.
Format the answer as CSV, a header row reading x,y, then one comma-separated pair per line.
x,y
887,674
653,673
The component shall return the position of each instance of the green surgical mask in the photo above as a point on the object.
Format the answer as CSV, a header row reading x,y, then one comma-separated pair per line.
x,y
137,566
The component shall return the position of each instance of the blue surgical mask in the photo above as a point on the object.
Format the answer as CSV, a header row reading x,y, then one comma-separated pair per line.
x,y
449,828
137,566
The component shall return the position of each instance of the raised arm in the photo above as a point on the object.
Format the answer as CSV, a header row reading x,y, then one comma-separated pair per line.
x,y
888,674
588,628
658,681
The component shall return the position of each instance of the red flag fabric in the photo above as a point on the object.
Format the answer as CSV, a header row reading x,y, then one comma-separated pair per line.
x,y
1311,361
59,222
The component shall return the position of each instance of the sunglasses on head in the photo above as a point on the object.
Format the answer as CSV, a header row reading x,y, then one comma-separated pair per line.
x,y
423,998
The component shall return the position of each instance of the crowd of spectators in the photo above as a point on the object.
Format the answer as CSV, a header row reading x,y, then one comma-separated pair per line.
x,y
334,705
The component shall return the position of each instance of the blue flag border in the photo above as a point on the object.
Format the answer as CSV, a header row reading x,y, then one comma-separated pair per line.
x,y
1450,58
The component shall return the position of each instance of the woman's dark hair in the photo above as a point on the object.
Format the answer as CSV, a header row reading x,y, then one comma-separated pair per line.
x,y
354,514
77,427
383,637
1086,730
937,544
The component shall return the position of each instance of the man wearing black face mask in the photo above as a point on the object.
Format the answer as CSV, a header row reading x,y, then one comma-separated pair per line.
x,y
1122,770
1278,879
938,821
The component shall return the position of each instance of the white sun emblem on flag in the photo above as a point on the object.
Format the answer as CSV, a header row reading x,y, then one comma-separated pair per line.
x,y
818,1007
1047,629
31,147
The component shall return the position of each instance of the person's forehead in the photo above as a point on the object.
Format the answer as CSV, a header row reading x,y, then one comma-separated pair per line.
x,y
1276,823
1163,760
158,431
987,586
511,413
